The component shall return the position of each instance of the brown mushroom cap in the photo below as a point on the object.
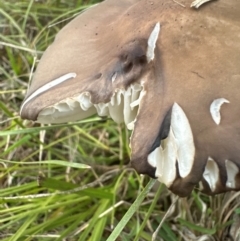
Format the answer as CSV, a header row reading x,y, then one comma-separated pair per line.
x,y
183,104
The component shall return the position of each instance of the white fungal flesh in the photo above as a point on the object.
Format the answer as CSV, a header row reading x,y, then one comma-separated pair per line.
x,y
232,171
184,140
154,157
114,77
198,3
48,86
211,173
164,159
170,155
122,107
152,42
215,109
177,147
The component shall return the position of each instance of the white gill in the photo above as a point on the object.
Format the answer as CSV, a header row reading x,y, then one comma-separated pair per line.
x,y
211,173
232,171
122,107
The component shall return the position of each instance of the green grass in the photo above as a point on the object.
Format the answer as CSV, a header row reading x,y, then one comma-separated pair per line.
x,y
48,190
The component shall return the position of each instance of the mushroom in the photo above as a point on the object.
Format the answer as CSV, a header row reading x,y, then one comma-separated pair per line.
x,y
170,73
